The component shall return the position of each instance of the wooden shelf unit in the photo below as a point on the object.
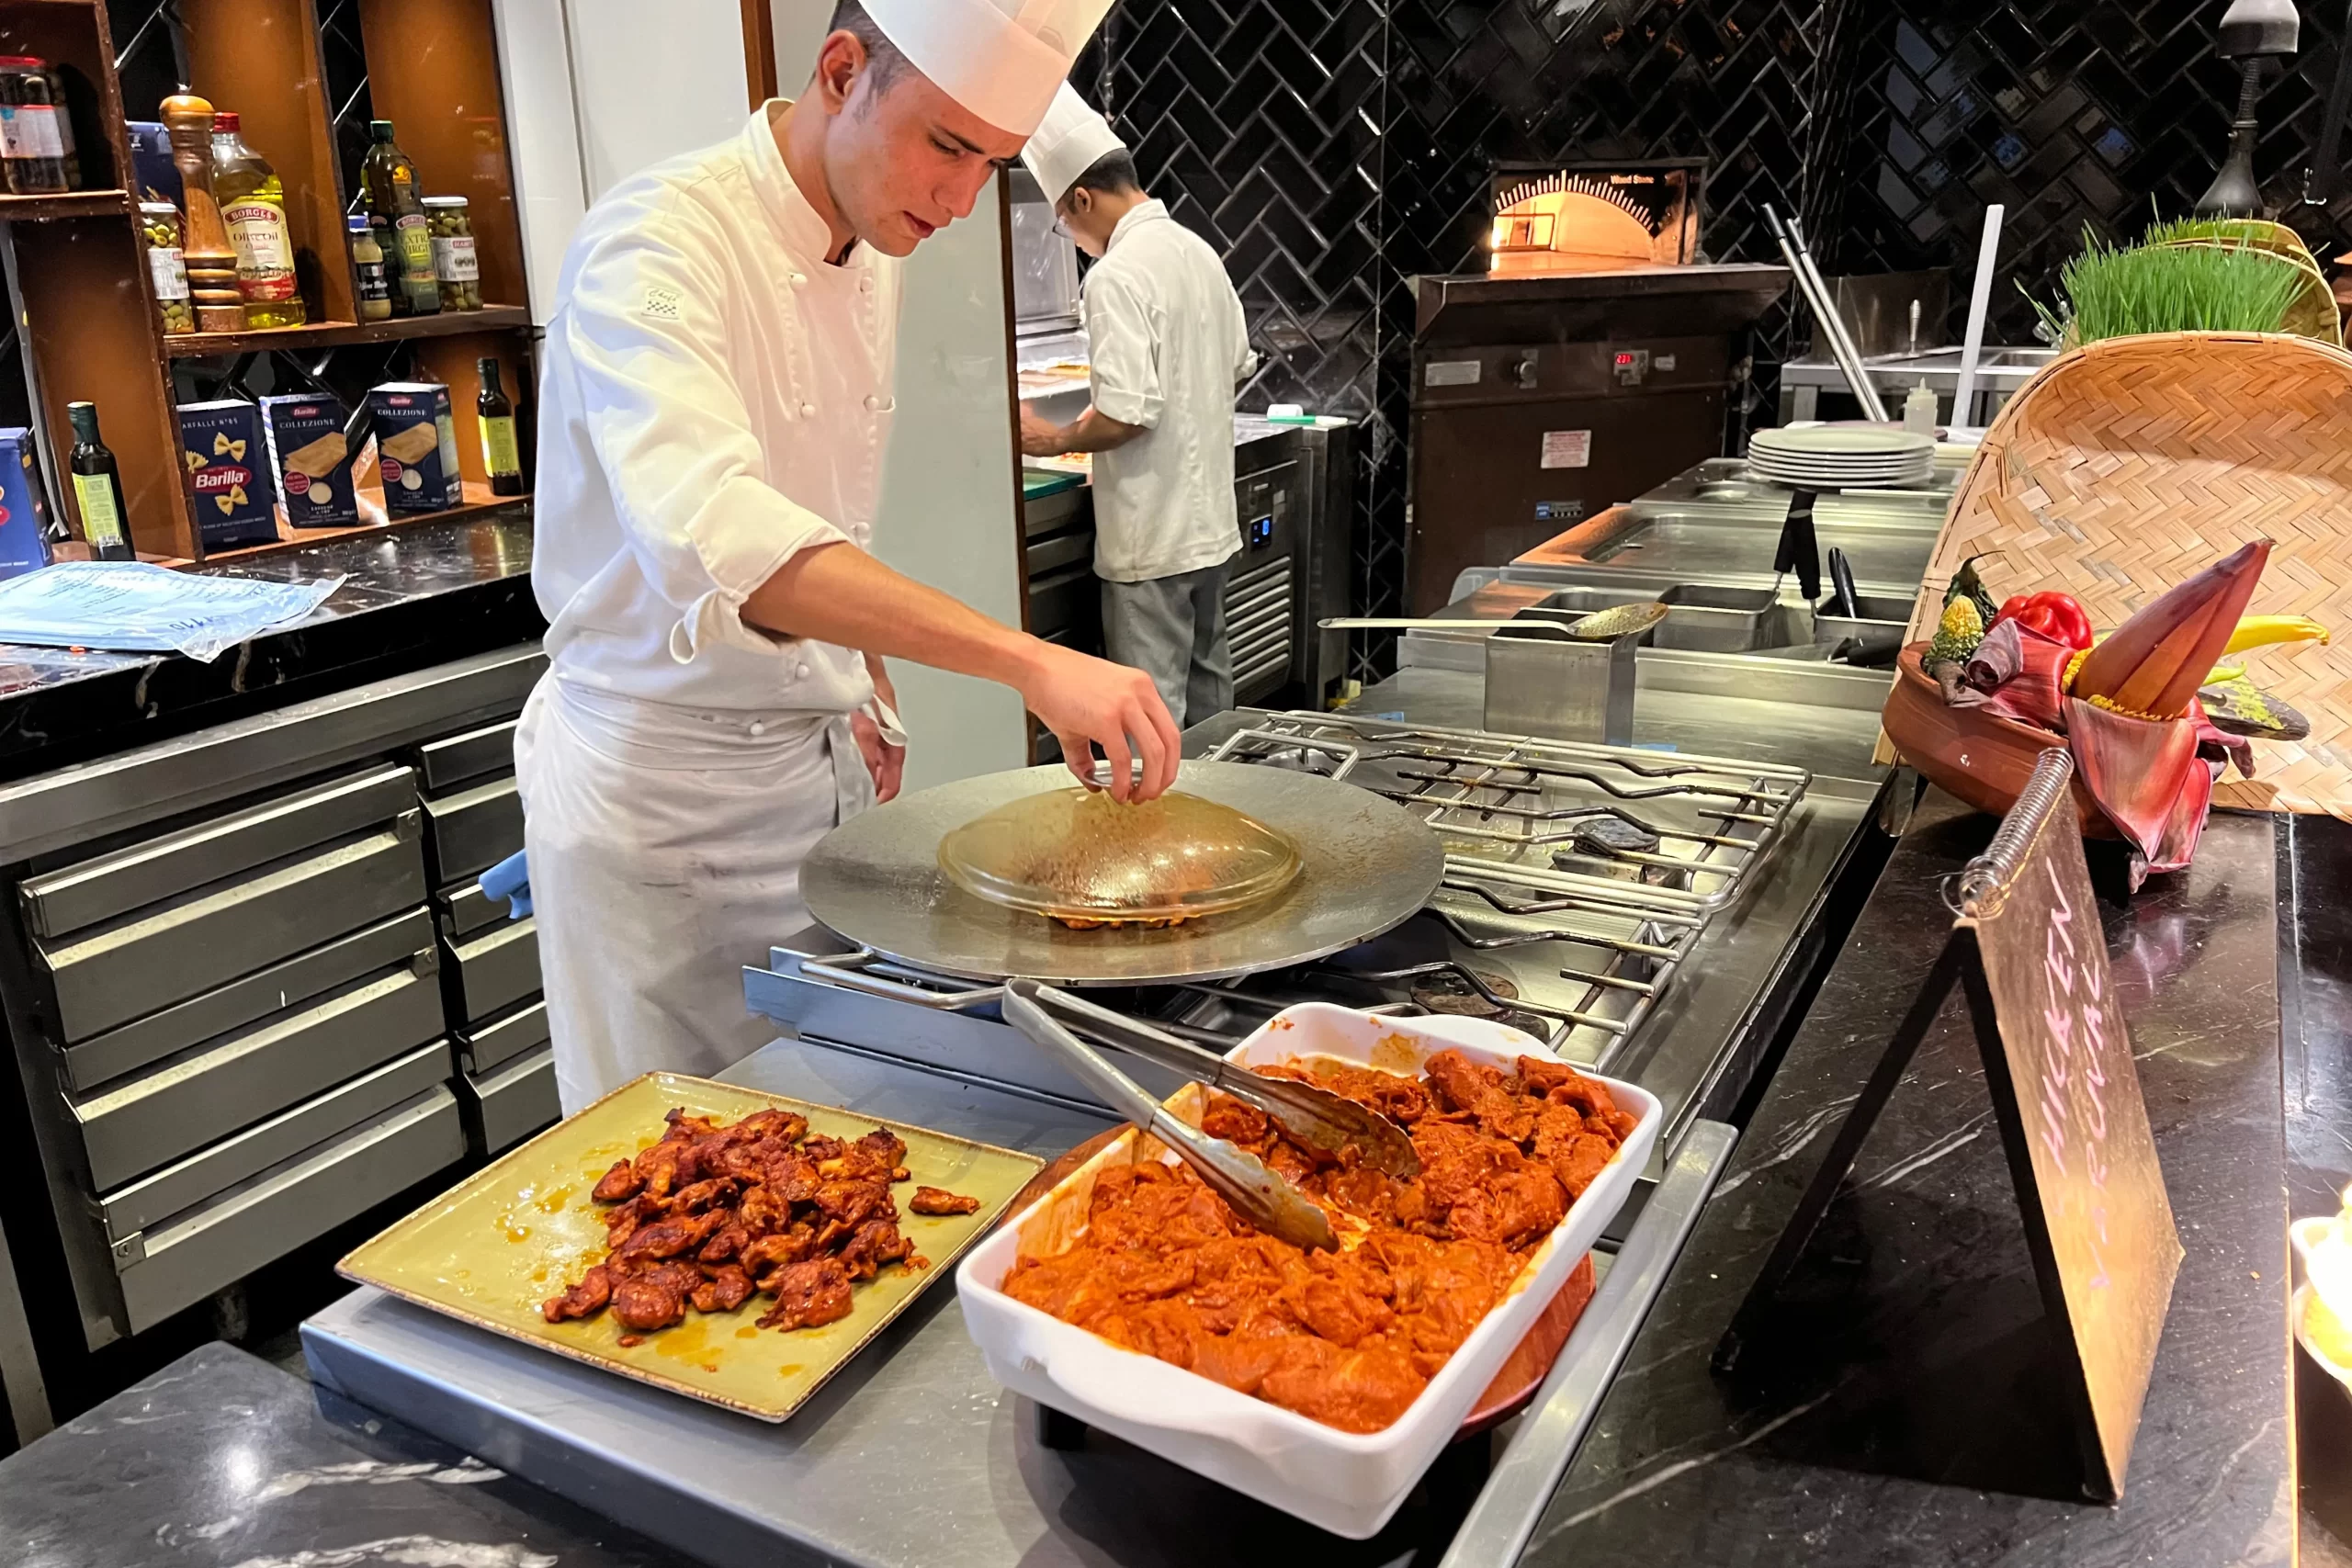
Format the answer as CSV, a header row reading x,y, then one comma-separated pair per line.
x,y
479,503
334,334
77,262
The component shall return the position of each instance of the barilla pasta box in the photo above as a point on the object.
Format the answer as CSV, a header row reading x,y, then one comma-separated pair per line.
x,y
311,458
228,473
24,505
416,445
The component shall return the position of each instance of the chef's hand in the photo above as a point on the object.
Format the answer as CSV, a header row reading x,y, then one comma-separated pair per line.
x,y
886,762
1085,700
1040,436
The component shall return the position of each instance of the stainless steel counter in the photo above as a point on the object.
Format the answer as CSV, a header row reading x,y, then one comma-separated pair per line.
x,y
914,1456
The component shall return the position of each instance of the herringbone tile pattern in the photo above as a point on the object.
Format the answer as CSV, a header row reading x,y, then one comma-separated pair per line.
x,y
2076,116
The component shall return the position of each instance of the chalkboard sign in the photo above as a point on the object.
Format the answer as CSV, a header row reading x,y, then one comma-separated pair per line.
x,y
2027,951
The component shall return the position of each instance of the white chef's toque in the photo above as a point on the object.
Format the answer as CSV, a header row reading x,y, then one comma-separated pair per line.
x,y
1071,140
1001,59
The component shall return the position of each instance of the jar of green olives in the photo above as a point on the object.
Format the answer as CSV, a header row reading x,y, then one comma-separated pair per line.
x,y
160,220
449,219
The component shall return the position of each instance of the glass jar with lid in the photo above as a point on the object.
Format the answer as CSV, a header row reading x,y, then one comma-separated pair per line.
x,y
160,222
456,268
32,143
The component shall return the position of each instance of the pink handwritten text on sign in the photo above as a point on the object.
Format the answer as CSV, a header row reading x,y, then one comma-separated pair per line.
x,y
2074,1086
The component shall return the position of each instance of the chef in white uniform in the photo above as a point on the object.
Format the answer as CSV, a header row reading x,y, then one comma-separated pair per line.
x,y
716,396
1167,345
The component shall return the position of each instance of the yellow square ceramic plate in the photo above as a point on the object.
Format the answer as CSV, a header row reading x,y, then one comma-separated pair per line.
x,y
491,1249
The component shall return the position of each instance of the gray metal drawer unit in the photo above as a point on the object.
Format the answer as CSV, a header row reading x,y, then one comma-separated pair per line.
x,y
170,952
185,1183
223,984
196,1254
459,759
494,970
474,828
406,937
210,1092
465,909
484,1046
512,1103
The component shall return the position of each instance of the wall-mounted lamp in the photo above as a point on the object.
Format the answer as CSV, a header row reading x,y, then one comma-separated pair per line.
x,y
2252,32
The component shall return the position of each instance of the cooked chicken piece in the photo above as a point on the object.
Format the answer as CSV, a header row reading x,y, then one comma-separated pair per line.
x,y
939,1201
644,1305
770,1252
668,1238
764,1210
585,1299
666,1166
874,1158
1487,1094
729,1241
703,1196
811,1294
723,1292
875,1244
621,1182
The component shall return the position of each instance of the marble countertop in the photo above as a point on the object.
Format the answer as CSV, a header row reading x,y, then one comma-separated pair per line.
x,y
411,597
223,1460
1900,1413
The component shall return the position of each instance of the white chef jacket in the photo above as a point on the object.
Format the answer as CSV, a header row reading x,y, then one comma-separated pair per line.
x,y
715,398
1167,345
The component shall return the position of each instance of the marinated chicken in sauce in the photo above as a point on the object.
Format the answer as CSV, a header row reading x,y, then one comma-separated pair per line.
x,y
1351,1337
712,1215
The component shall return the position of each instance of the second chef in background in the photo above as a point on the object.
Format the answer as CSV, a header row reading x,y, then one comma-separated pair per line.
x,y
1169,345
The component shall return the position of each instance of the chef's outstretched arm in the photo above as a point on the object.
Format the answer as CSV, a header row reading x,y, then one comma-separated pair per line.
x,y
742,563
838,593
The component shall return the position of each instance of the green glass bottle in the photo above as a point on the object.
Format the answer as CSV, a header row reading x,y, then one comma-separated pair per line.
x,y
394,202
98,486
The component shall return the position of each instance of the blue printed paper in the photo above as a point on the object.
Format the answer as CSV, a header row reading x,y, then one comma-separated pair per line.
x,y
132,607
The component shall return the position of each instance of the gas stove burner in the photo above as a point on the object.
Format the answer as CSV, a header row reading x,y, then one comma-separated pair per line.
x,y
1607,838
1449,993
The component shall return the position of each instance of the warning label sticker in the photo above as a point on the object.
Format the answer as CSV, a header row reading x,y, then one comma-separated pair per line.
x,y
1567,449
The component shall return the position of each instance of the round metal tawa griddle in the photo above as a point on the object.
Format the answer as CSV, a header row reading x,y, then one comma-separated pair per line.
x,y
1368,866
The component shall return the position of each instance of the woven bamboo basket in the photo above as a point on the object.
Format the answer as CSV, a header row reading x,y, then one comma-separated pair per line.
x,y
2127,465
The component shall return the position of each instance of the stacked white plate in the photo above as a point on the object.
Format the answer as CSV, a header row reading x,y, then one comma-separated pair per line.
x,y
1834,456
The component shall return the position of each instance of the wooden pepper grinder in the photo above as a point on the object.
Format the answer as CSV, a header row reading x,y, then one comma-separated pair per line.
x,y
212,260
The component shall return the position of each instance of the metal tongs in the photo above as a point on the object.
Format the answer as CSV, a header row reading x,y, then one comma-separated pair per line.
x,y
1257,1194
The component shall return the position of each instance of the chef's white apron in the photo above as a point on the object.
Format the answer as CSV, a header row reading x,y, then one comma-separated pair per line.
x,y
665,847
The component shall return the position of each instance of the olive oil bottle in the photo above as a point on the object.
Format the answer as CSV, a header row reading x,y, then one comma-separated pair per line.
x,y
97,485
394,202
252,204
502,454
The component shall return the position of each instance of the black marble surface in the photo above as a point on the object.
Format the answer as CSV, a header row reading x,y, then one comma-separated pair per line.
x,y
223,1460
2315,991
1899,1412
412,597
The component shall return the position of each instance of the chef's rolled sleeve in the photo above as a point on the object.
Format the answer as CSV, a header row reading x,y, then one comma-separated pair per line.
x,y
676,441
1123,338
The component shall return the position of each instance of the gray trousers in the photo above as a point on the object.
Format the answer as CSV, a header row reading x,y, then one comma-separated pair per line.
x,y
1172,629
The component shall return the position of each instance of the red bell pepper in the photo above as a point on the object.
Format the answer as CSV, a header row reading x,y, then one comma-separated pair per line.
x,y
2058,617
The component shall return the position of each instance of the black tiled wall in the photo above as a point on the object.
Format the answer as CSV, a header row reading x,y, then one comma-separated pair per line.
x,y
1335,148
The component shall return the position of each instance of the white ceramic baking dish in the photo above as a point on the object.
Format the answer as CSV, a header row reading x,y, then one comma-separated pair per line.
x,y
1345,1483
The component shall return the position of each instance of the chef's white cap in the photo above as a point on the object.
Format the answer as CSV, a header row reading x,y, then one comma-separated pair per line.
x,y
1072,140
1001,59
